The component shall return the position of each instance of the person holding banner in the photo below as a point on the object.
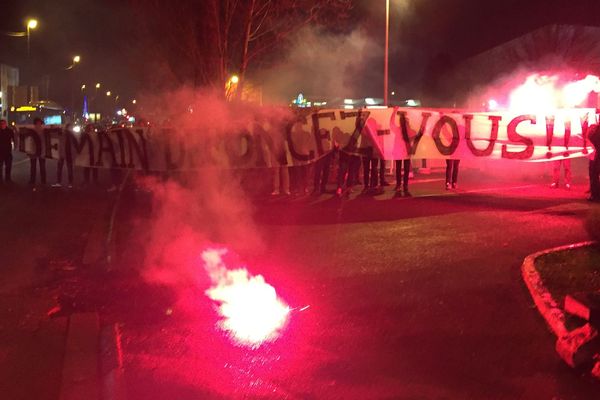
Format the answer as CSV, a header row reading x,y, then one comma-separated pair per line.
x,y
7,140
451,173
370,171
35,156
594,164
566,163
402,178
64,155
89,130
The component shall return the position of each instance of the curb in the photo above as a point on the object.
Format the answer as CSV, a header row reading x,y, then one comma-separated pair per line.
x,y
550,310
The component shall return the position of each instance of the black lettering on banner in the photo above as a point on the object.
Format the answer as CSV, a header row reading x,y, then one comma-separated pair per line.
x,y
319,133
233,146
359,124
515,137
48,133
262,136
292,147
411,145
28,133
121,140
436,135
84,140
495,119
105,145
140,148
170,163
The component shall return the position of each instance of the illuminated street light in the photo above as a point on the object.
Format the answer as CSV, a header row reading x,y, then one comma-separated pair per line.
x,y
108,93
231,86
97,86
134,101
83,87
386,55
31,24
76,59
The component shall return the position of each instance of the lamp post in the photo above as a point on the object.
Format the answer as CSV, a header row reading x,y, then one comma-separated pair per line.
x,y
31,24
386,55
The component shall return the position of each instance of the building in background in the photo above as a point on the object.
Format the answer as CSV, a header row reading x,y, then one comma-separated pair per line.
x,y
9,80
552,49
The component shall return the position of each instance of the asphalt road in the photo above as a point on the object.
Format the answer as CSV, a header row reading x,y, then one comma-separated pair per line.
x,y
410,298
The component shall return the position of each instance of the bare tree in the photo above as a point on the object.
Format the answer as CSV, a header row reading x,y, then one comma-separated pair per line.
x,y
205,41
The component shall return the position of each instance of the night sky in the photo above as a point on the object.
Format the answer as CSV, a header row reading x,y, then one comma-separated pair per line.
x,y
101,32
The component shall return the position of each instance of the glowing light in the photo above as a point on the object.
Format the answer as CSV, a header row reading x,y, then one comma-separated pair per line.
x,y
370,101
76,59
134,101
97,86
32,24
492,105
76,129
348,101
252,313
82,87
108,93
234,79
537,94
542,93
575,93
412,103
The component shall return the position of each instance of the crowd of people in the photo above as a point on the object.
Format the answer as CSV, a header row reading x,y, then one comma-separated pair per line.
x,y
347,168
347,178
37,159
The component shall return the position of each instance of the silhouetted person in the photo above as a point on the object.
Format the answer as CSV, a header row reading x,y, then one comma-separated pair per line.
x,y
64,156
594,165
373,172
322,166
36,157
87,171
402,178
7,140
451,173
566,163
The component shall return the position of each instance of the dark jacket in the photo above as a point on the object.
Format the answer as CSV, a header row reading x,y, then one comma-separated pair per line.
x,y
7,137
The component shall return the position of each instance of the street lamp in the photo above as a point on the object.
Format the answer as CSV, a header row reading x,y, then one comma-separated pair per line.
x,y
76,59
386,56
97,86
108,93
31,24
231,86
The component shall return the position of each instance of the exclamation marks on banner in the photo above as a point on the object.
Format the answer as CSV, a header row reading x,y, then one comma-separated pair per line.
x,y
567,137
549,135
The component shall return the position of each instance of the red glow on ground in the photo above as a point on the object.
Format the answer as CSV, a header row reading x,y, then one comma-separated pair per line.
x,y
544,93
252,313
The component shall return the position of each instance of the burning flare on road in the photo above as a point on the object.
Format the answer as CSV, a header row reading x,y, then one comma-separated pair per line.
x,y
252,313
